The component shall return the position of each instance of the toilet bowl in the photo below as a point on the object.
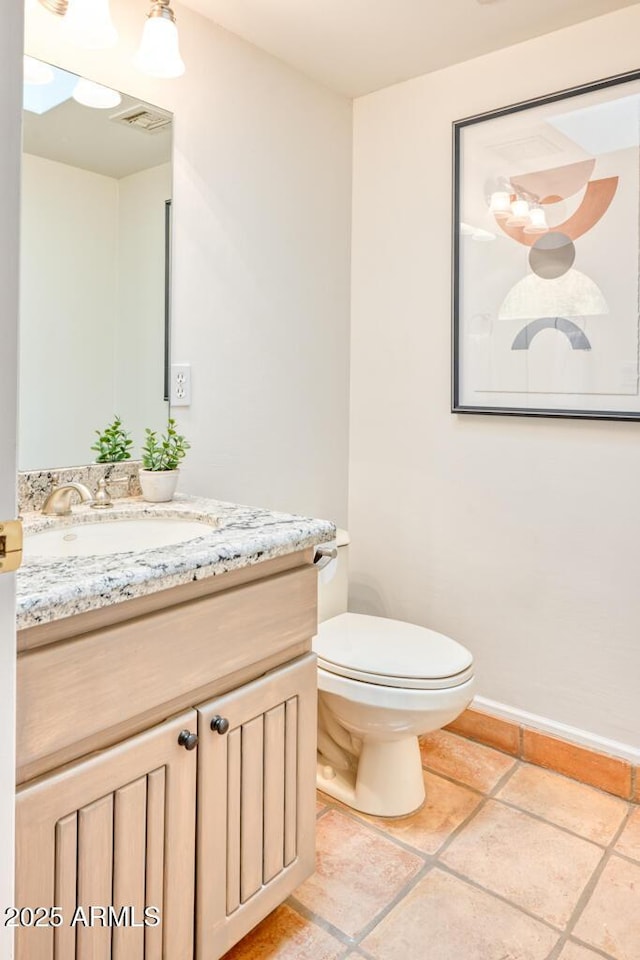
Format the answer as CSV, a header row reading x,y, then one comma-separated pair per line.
x,y
382,683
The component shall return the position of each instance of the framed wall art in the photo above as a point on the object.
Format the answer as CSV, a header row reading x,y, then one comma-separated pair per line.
x,y
546,313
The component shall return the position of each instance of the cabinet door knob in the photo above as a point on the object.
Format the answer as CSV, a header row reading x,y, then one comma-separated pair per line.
x,y
220,724
188,740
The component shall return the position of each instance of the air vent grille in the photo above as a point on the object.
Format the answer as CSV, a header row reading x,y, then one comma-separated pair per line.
x,y
143,119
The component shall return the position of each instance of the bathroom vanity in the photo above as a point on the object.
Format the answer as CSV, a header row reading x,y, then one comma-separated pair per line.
x,y
166,732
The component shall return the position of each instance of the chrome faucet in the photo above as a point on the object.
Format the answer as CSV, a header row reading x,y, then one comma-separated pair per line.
x,y
58,503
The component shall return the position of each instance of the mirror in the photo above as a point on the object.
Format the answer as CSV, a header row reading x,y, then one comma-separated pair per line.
x,y
95,242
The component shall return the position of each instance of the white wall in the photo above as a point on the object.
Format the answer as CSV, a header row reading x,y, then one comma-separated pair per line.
x,y
91,308
262,179
521,538
10,124
68,305
139,334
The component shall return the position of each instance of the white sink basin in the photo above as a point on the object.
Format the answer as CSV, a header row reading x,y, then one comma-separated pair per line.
x,y
112,536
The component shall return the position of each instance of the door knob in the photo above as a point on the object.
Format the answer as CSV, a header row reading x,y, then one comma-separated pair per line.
x,y
220,725
188,740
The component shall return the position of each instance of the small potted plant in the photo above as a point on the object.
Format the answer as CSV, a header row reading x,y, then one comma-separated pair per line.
x,y
161,457
113,443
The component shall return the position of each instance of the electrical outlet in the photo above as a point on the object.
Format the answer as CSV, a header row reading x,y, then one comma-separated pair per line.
x,y
180,385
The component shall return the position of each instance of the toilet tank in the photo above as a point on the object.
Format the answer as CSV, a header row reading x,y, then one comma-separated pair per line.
x,y
333,581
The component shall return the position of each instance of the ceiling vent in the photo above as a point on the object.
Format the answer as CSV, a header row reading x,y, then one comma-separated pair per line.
x,y
143,119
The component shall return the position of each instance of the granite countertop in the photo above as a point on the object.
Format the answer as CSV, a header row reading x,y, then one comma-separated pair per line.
x,y
58,587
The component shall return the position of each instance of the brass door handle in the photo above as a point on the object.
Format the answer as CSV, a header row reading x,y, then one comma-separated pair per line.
x,y
10,545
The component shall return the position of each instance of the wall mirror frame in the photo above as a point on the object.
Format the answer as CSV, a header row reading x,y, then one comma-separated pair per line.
x,y
95,267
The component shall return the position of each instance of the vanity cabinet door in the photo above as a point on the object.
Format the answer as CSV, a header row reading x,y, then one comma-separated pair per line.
x,y
256,802
118,830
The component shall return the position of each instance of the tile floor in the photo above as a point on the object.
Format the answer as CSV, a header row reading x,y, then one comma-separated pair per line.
x,y
505,862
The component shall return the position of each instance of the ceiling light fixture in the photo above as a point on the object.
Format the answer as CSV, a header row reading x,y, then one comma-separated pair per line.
x,y
500,205
159,52
519,214
537,221
88,24
36,72
59,7
91,94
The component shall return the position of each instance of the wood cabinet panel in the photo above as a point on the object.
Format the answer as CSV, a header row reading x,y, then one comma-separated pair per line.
x,y
130,865
140,823
65,692
256,803
274,792
116,830
95,862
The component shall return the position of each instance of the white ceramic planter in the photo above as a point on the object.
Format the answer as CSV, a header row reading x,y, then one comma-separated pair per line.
x,y
158,486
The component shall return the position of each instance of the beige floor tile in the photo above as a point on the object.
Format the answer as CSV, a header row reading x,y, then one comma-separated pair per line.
x,y
286,935
463,760
444,918
629,842
585,810
611,919
358,873
446,807
573,951
531,863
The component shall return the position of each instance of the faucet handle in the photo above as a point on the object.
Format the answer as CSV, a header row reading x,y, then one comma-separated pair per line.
x,y
119,486
102,498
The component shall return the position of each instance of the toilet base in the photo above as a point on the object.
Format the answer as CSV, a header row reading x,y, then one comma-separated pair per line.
x,y
386,780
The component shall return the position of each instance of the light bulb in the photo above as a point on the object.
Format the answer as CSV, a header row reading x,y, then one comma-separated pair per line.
x,y
36,72
159,52
91,94
537,221
88,24
519,214
500,205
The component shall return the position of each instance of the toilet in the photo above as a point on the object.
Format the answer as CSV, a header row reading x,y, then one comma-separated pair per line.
x,y
381,684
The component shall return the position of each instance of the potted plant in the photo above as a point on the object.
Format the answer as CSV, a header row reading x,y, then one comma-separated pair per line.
x,y
113,443
161,457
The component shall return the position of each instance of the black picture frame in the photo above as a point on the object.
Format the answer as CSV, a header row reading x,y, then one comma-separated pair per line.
x,y
458,128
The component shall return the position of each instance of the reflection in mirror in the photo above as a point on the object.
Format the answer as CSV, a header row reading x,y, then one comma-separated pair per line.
x,y
96,180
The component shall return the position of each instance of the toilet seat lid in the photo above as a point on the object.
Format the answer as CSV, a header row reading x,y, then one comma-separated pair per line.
x,y
391,653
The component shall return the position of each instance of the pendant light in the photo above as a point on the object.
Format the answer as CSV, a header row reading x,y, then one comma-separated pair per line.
x,y
91,94
88,24
519,213
500,205
59,7
538,221
159,53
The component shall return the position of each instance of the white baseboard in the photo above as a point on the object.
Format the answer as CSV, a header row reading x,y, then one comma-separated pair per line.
x,y
562,730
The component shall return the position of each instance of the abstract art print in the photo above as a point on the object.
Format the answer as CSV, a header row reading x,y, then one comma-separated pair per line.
x,y
546,311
